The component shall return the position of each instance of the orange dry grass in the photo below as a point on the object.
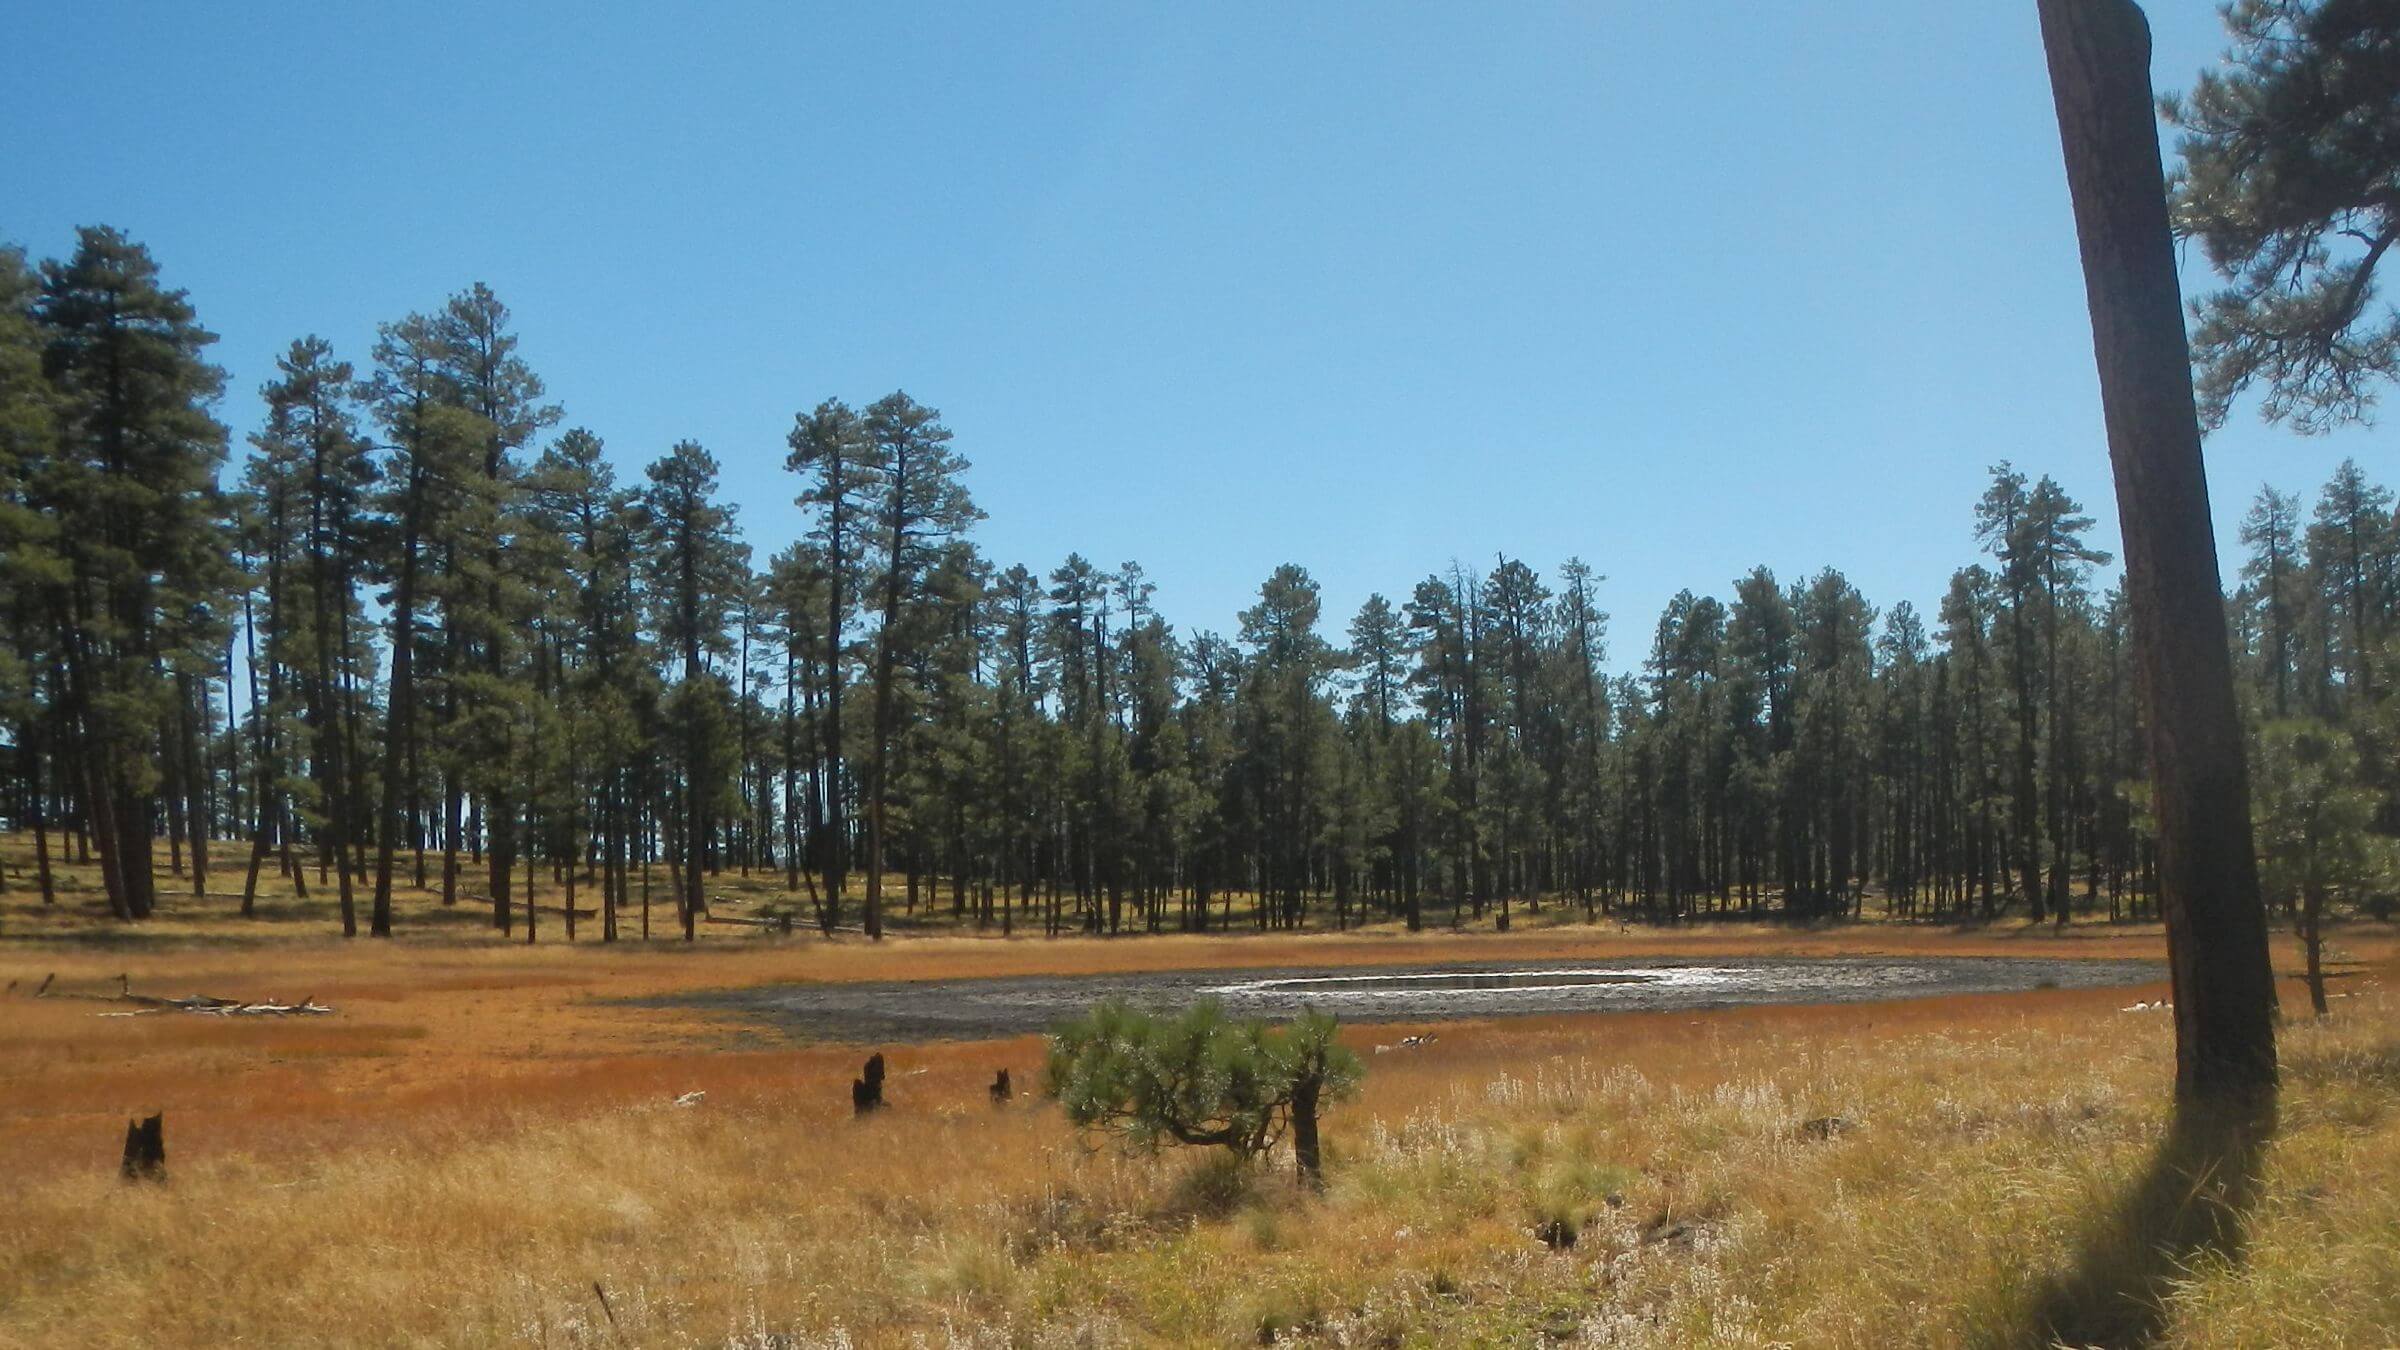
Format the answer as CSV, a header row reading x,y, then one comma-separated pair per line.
x,y
482,1132
452,1016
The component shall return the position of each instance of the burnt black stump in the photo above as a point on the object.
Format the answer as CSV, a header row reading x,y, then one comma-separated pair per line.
x,y
866,1091
146,1149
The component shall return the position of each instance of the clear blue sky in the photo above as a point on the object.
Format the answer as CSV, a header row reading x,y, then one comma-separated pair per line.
x,y
1676,288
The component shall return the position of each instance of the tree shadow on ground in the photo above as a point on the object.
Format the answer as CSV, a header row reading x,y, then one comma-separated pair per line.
x,y
2191,1203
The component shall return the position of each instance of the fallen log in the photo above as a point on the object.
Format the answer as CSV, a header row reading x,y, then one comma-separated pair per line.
x,y
214,1008
206,1004
307,1007
788,923
783,922
124,993
517,906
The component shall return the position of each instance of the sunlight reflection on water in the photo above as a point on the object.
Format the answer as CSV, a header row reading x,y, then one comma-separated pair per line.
x,y
1472,982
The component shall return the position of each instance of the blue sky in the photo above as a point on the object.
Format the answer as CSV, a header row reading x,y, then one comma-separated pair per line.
x,y
1677,289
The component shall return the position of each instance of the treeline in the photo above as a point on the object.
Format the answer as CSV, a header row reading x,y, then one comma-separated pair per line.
x,y
422,636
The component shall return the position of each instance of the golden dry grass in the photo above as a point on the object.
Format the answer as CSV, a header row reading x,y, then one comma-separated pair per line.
x,y
477,1139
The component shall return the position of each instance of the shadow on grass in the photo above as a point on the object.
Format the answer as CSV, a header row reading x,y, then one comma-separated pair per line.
x,y
2191,1204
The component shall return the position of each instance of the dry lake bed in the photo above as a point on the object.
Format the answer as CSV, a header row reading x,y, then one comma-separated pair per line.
x,y
975,1009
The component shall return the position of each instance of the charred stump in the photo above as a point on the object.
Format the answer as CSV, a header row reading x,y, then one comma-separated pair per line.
x,y
866,1091
146,1149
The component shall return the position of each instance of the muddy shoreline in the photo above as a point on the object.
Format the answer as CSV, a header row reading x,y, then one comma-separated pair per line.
x,y
982,1009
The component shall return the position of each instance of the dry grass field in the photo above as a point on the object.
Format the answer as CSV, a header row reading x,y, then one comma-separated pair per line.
x,y
482,1146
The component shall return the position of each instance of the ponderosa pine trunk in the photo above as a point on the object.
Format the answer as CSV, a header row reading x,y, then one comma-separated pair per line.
x,y
37,817
886,641
837,837
399,751
2099,60
194,778
2312,945
2023,812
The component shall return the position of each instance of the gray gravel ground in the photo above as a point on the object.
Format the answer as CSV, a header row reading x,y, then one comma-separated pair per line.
x,y
977,1009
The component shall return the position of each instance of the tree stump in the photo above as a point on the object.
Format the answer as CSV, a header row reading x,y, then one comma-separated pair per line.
x,y
146,1149
1001,1091
866,1091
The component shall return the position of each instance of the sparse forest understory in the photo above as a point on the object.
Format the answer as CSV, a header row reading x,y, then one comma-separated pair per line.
x,y
419,640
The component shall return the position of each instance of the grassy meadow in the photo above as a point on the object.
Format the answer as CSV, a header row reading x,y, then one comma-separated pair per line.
x,y
483,1145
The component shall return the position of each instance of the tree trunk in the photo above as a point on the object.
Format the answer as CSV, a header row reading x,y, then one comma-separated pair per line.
x,y
1305,1150
29,743
194,779
100,819
399,750
2312,945
135,817
2099,57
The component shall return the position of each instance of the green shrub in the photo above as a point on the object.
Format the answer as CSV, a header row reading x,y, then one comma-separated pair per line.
x,y
1200,1078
